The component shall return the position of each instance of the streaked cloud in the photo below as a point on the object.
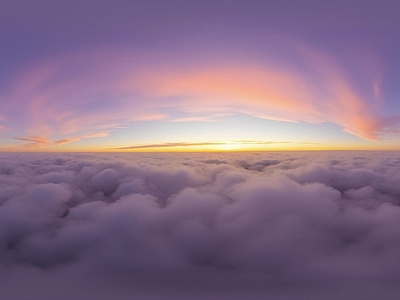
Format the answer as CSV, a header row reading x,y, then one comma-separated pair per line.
x,y
34,141
110,94
229,144
77,138
198,68
169,145
4,129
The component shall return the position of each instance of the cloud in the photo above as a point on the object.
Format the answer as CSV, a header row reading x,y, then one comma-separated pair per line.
x,y
288,96
4,129
76,94
219,226
78,138
34,141
229,144
66,141
169,145
194,119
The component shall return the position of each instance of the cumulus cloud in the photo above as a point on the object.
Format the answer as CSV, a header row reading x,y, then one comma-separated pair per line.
x,y
318,225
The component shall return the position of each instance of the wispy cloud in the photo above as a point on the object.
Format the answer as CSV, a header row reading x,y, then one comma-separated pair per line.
x,y
41,141
207,144
78,138
4,129
66,141
194,119
34,141
150,117
170,145
200,92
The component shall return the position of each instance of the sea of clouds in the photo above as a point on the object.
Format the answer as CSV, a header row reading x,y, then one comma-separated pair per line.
x,y
288,225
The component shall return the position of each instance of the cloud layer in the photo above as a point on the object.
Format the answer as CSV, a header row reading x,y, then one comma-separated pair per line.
x,y
318,225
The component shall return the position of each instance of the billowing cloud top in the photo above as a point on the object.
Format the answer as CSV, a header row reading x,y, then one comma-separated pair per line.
x,y
166,226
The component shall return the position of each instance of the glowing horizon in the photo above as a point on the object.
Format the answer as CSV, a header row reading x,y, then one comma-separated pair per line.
x,y
199,149
279,82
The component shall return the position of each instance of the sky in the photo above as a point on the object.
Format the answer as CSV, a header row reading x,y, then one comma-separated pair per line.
x,y
199,75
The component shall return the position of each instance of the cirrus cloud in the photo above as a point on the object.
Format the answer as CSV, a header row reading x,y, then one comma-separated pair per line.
x,y
80,93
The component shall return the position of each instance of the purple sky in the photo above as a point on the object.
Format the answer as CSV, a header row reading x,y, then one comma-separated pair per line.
x,y
103,75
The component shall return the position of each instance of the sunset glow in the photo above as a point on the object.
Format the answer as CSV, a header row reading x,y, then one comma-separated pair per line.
x,y
199,149
107,87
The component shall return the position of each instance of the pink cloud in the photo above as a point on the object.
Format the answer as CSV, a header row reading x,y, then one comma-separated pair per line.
x,y
77,138
4,129
82,93
34,141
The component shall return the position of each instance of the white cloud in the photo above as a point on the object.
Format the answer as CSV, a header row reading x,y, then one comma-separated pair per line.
x,y
283,225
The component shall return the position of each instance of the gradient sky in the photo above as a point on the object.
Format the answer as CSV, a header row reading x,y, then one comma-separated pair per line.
x,y
178,75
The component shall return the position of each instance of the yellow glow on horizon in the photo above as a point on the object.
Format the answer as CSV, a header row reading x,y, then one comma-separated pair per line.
x,y
220,146
230,146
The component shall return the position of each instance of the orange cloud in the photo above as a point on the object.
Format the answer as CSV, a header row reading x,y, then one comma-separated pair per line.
x,y
34,141
4,129
234,89
265,93
78,138
77,94
212,145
